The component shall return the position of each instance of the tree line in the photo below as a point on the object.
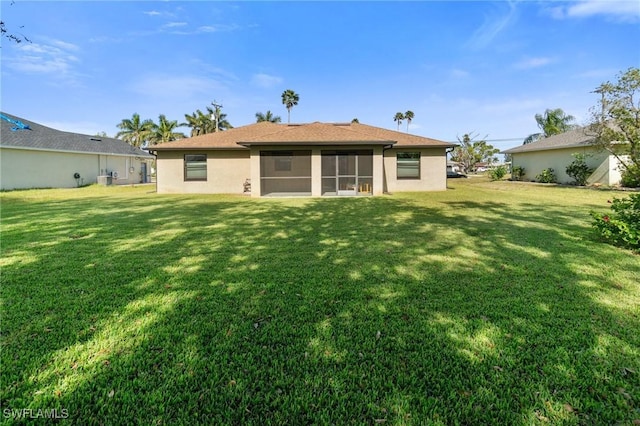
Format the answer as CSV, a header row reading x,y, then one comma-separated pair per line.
x,y
139,132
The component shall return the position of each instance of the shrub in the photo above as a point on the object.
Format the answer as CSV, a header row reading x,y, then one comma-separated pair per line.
x,y
622,226
631,176
579,170
497,173
517,172
546,176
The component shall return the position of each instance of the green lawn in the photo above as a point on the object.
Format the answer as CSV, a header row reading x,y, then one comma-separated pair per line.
x,y
490,303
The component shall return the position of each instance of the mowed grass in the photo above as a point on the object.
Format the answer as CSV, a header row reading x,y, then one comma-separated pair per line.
x,y
490,303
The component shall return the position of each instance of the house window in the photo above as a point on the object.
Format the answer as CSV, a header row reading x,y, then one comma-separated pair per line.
x,y
195,167
408,165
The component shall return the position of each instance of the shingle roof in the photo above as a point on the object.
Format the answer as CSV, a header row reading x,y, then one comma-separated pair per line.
x,y
316,133
39,137
572,139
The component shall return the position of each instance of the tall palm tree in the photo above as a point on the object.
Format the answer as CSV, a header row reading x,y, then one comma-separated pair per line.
x,y
200,123
289,100
552,122
164,131
267,116
398,118
135,131
409,116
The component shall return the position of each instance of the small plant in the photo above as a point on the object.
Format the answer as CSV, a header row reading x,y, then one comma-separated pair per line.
x,y
622,227
546,176
517,173
498,172
631,176
579,170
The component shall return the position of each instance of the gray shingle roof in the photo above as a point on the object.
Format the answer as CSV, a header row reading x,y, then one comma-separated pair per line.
x,y
580,137
44,138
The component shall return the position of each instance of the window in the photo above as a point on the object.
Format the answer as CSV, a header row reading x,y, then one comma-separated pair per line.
x,y
195,167
408,165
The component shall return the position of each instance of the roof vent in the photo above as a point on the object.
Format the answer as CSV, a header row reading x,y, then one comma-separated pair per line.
x,y
96,139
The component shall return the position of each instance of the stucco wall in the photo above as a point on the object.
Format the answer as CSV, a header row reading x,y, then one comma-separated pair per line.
x,y
22,168
226,172
558,159
433,171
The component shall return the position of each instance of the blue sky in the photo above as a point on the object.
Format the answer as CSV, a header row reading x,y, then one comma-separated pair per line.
x,y
478,66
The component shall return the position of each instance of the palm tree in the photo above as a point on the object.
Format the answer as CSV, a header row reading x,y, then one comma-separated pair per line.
x,y
268,116
164,131
289,100
398,117
135,131
409,116
552,122
200,123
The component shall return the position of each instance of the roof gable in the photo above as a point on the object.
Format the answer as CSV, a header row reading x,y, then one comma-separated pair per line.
x,y
572,139
31,135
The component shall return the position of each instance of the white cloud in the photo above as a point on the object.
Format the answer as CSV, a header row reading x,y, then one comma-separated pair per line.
x,y
265,80
458,73
55,58
174,24
533,63
615,10
152,13
217,28
492,26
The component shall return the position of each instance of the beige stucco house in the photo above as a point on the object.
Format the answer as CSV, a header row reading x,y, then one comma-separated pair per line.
x,y
556,152
314,159
36,156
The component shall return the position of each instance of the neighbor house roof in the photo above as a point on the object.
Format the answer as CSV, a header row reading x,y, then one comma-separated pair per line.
x,y
577,138
20,133
316,133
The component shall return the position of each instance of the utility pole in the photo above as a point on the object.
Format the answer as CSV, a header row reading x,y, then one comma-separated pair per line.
x,y
216,112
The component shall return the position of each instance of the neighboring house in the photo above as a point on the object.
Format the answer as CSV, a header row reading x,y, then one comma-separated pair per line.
x,y
556,152
36,156
315,159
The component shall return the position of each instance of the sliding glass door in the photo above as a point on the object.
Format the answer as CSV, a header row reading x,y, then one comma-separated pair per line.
x,y
347,172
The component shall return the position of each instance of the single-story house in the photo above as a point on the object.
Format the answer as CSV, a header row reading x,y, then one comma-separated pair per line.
x,y
314,159
556,152
36,156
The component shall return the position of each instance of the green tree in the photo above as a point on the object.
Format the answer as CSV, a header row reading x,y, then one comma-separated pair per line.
x,y
471,151
398,118
289,100
267,116
552,122
135,131
616,122
200,123
409,116
164,130
355,120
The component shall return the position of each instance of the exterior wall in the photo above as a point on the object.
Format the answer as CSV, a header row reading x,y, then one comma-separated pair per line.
x,y
433,171
25,168
558,159
226,172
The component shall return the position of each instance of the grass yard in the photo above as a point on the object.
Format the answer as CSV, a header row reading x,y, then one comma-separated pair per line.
x,y
490,303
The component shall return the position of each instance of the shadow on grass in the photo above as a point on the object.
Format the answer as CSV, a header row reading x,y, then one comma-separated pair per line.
x,y
158,309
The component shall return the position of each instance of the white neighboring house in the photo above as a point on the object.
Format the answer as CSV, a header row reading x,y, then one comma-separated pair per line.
x,y
556,152
36,156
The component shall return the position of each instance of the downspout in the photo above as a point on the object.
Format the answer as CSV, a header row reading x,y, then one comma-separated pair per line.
x,y
155,154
